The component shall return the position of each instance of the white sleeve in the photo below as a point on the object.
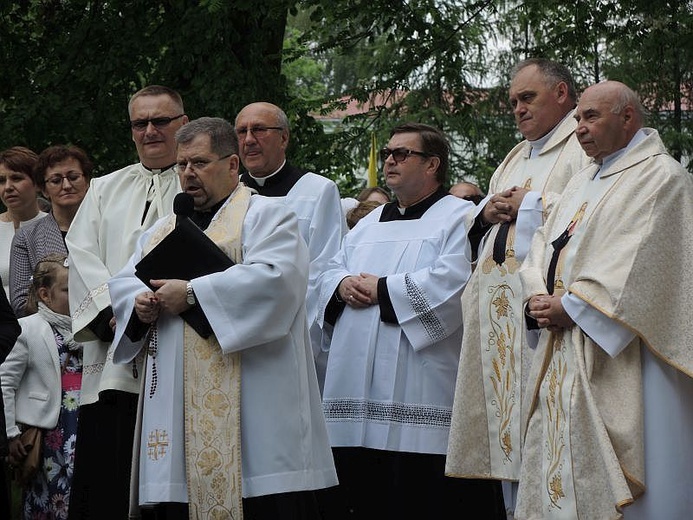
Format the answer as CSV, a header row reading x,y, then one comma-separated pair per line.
x,y
606,332
530,217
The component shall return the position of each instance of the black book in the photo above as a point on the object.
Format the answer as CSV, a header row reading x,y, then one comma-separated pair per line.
x,y
184,254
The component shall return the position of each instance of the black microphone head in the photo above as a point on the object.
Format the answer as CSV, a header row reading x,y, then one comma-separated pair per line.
x,y
183,205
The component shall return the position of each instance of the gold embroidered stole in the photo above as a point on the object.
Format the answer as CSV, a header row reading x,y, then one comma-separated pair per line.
x,y
501,332
212,383
560,370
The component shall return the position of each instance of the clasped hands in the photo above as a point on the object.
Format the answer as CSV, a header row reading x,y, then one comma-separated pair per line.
x,y
359,291
503,206
170,296
548,310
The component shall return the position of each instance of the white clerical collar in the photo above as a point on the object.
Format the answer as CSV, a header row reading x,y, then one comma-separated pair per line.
x,y
538,144
157,171
261,180
611,159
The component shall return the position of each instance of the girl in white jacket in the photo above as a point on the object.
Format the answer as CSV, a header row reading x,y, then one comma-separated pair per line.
x,y
41,381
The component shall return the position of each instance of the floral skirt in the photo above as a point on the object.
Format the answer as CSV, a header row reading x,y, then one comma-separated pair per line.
x,y
48,495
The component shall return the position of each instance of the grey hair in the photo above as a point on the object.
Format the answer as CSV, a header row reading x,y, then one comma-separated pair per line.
x,y
626,96
282,119
222,138
553,73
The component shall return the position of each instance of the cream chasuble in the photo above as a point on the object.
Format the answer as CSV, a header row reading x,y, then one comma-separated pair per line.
x,y
501,331
486,432
630,249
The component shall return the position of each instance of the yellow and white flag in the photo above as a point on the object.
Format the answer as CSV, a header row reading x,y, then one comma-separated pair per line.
x,y
373,164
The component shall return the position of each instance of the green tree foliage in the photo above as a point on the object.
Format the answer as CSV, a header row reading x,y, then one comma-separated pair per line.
x,y
70,67
414,61
647,44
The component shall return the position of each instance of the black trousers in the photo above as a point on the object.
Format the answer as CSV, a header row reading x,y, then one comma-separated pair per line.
x,y
381,485
103,456
5,489
299,505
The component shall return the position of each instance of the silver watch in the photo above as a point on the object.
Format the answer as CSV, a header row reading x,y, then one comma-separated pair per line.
x,y
189,294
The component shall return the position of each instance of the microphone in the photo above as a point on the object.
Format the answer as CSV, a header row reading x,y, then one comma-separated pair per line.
x,y
183,206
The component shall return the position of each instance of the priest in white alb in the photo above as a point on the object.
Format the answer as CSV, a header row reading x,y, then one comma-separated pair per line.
x,y
231,423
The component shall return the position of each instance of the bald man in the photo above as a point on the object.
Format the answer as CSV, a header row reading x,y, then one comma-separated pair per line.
x,y
263,138
609,423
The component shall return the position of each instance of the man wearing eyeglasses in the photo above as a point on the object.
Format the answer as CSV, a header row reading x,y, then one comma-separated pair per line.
x,y
263,135
236,417
486,431
117,208
393,296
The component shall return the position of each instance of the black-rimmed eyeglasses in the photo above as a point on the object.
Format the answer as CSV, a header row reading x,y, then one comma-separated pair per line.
x,y
196,164
400,154
158,122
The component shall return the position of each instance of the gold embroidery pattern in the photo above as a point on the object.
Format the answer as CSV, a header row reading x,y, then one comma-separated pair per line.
x,y
157,444
556,422
213,398
212,428
504,376
510,265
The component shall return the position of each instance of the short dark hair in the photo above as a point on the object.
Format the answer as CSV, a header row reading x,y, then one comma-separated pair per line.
x,y
552,71
19,159
223,140
433,142
56,154
158,90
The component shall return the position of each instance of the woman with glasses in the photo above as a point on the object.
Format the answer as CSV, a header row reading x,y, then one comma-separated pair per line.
x,y
63,174
18,193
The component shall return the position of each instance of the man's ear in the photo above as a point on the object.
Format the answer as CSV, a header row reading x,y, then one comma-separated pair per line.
x,y
285,139
433,164
234,163
628,114
562,91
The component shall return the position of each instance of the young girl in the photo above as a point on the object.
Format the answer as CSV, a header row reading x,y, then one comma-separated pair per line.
x,y
41,380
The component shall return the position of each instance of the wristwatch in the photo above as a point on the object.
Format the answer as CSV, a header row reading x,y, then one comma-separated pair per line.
x,y
189,294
